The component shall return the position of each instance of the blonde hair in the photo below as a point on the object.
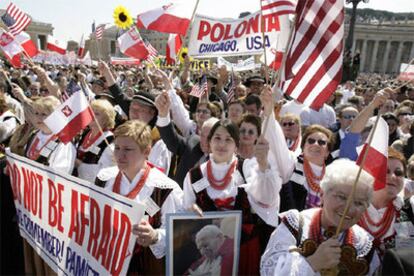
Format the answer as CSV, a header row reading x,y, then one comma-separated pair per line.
x,y
46,104
290,116
137,130
108,112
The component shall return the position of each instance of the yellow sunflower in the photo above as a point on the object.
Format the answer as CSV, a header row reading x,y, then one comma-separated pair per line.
x,y
123,19
182,53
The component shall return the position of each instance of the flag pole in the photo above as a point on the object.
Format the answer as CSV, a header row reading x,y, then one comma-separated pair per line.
x,y
262,27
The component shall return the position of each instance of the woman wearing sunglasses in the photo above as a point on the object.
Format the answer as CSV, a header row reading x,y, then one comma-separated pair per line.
x,y
301,174
291,129
227,182
385,219
250,130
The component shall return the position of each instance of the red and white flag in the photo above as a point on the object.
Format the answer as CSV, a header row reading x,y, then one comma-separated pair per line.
x,y
313,66
27,44
81,49
174,44
55,46
278,7
173,18
376,161
11,48
71,117
132,45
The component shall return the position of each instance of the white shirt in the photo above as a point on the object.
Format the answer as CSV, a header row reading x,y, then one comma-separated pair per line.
x,y
325,116
262,188
292,107
172,204
160,156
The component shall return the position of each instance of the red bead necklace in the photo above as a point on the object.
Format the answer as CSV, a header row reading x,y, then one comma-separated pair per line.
x,y
134,192
311,178
220,184
385,222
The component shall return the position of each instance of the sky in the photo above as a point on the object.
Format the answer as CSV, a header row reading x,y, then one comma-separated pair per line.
x,y
72,18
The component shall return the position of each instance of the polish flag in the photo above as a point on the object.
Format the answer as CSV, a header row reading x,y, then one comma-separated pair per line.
x,y
376,161
81,50
55,46
174,44
11,48
27,44
71,117
132,45
172,18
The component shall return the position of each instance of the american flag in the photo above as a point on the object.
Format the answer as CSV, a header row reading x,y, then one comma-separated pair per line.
x,y
200,88
15,19
278,7
153,53
232,88
313,66
99,31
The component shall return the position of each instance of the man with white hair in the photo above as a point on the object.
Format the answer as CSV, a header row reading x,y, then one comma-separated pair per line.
x,y
216,250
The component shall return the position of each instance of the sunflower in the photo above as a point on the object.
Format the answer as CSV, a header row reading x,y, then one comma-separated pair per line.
x,y
123,19
182,53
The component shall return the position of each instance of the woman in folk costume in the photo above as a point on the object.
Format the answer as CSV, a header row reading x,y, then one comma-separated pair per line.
x,y
386,220
303,244
136,179
250,129
227,182
290,124
94,153
45,147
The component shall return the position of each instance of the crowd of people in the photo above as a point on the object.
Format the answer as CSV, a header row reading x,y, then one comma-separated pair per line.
x,y
287,167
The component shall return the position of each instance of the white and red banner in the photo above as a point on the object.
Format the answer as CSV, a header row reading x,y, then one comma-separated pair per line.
x,y
11,48
69,118
125,61
171,18
76,227
55,45
376,161
174,44
213,37
132,45
406,72
27,44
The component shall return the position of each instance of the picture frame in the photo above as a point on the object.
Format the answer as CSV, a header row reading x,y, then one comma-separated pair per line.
x,y
200,245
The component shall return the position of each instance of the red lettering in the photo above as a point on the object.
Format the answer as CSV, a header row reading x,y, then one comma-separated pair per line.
x,y
272,23
204,29
217,37
32,192
84,220
123,236
26,190
115,230
94,228
15,180
240,29
105,235
227,34
74,222
55,205
253,25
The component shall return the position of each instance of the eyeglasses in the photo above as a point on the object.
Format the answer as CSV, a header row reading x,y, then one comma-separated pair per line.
x,y
249,132
320,142
288,124
349,117
203,111
397,172
405,114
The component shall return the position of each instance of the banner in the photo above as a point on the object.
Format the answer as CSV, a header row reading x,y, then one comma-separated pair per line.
x,y
406,72
124,61
241,65
212,37
197,64
76,227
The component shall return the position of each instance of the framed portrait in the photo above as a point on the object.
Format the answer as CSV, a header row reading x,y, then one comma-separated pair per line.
x,y
207,245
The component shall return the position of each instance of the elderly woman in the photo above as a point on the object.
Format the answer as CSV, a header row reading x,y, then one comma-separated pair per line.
x,y
43,146
303,242
384,218
290,124
250,130
135,179
93,152
226,182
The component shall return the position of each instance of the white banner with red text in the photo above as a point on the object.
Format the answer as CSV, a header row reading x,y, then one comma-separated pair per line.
x,y
76,227
213,37
406,72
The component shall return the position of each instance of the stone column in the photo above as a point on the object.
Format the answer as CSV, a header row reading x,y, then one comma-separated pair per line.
x,y
385,58
398,57
374,56
411,52
363,54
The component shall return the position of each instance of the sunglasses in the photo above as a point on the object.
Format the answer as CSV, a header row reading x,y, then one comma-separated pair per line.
x,y
288,124
404,114
249,132
397,172
349,117
320,142
203,111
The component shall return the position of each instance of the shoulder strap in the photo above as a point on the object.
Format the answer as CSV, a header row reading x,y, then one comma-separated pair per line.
x,y
195,174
